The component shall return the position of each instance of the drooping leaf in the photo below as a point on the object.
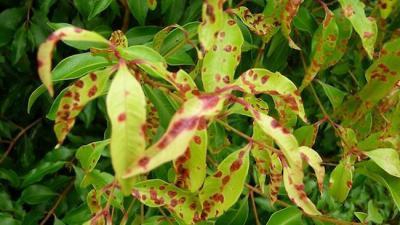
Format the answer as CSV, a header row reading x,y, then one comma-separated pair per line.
x,y
283,91
312,158
323,47
156,193
387,159
291,7
45,51
187,120
126,106
75,98
222,189
365,26
341,180
222,58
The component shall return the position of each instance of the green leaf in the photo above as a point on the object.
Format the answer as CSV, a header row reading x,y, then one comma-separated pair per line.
x,y
178,39
387,159
89,154
139,10
223,188
365,27
152,4
45,51
334,94
373,213
36,194
139,35
160,100
126,107
76,97
341,180
97,7
286,216
361,216
19,44
304,20
374,172
180,58
41,171
235,216
306,135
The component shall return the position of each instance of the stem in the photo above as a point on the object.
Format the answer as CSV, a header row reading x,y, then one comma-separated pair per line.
x,y
125,21
62,196
19,135
253,203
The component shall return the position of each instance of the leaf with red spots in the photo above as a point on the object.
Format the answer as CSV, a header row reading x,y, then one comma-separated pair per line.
x,y
93,200
382,77
191,167
222,189
312,158
75,98
365,26
255,102
126,107
212,22
155,193
283,91
67,34
221,60
275,177
386,7
295,189
323,47
341,180
256,23
290,10
192,116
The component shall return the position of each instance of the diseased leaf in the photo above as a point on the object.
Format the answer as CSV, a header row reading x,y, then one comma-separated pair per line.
x,y
213,21
365,27
187,120
387,159
341,180
291,7
312,158
156,193
386,7
89,154
126,107
222,58
283,91
75,98
256,23
67,34
221,190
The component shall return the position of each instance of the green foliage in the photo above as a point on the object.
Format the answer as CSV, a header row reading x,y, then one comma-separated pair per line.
x,y
199,112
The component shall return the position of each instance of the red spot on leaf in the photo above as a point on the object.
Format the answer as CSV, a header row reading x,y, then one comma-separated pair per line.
x,y
173,202
92,91
122,117
226,179
93,76
177,128
218,174
197,139
171,194
79,84
236,165
144,161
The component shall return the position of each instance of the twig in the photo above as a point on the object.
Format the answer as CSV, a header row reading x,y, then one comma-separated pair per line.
x,y
125,21
253,203
165,216
60,198
19,135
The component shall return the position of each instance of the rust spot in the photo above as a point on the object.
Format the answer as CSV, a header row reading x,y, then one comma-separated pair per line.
x,y
92,91
171,194
236,165
218,174
144,161
122,117
93,76
78,30
197,139
79,83
173,202
177,128
226,179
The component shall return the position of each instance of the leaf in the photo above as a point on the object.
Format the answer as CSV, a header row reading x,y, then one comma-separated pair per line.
x,y
291,7
89,154
341,180
235,216
365,27
152,4
283,91
213,21
36,194
139,10
322,48
142,52
18,46
373,213
304,20
43,169
126,107
334,94
179,39
187,120
386,7
98,7
221,60
191,167
377,174
180,58
306,135
286,216
160,100
387,159
68,34
222,189
312,158
255,22
139,35
156,193
75,98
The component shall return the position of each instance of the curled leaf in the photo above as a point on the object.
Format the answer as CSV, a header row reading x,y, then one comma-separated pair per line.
x,y
312,158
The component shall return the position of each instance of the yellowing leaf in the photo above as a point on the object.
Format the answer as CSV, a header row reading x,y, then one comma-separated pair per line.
x,y
275,177
341,180
312,158
291,7
221,59
67,34
387,159
256,22
126,107
283,91
212,22
156,193
386,7
75,98
365,27
188,119
295,190
221,190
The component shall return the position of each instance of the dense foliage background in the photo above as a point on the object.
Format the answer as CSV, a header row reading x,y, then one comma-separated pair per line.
x,y
40,185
